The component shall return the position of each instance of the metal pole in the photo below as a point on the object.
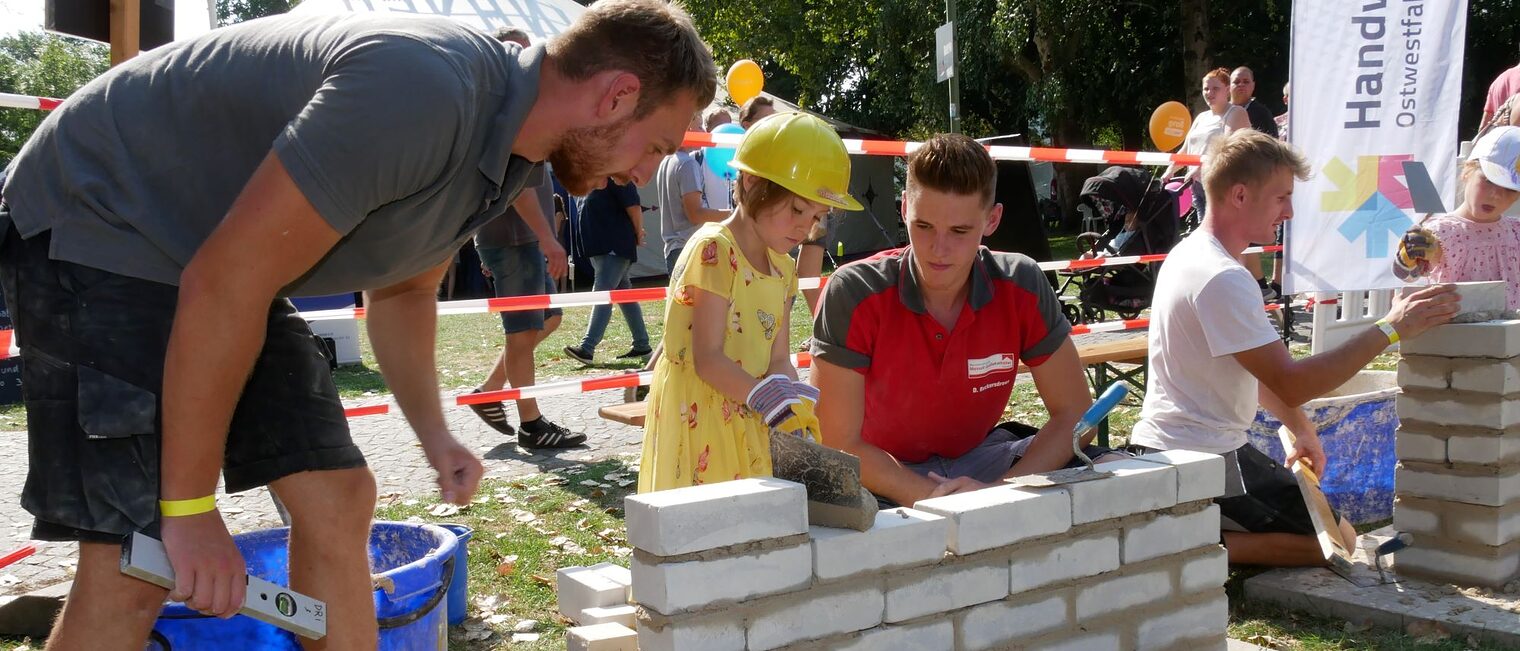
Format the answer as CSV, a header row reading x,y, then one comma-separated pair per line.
x,y
955,85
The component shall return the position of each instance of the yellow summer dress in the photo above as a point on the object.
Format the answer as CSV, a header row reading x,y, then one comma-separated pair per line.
x,y
693,434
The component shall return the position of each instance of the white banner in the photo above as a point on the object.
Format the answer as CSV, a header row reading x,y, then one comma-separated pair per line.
x,y
1377,87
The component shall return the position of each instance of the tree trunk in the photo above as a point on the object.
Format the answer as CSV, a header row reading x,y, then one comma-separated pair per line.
x,y
1196,60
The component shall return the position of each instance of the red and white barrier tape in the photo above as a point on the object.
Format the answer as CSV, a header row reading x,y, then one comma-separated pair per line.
x,y
854,146
10,100
998,152
619,296
641,378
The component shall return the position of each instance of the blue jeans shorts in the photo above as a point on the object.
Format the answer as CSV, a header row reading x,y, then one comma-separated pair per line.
x,y
520,271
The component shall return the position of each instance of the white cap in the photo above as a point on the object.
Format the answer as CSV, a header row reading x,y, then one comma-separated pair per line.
x,y
1498,153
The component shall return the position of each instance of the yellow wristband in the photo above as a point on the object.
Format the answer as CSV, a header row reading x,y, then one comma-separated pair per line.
x,y
181,508
1387,328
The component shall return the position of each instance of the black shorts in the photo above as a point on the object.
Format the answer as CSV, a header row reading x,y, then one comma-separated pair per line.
x,y
92,348
1260,495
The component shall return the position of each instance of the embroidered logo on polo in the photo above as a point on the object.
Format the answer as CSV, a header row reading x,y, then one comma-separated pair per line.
x,y
991,365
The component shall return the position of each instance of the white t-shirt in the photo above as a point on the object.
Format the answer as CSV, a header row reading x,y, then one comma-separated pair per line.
x,y
715,190
1207,307
1206,127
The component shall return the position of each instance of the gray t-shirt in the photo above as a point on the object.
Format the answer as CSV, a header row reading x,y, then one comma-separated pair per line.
x,y
510,229
398,130
677,176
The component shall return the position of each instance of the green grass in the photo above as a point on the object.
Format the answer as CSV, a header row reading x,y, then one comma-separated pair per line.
x,y
525,530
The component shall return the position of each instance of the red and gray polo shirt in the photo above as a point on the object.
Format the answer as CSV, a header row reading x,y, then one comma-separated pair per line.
x,y
929,391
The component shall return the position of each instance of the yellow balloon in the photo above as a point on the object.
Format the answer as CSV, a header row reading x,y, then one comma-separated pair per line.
x,y
1169,125
745,81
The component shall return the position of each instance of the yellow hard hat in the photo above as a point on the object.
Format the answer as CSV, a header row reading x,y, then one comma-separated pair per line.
x,y
801,153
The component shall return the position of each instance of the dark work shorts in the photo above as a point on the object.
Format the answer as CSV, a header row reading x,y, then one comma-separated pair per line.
x,y
1260,495
92,348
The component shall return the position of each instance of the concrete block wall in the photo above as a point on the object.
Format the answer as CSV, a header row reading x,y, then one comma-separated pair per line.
x,y
1457,487
1112,563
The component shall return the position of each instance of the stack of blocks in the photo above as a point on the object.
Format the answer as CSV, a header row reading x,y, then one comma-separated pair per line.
x,y
1129,561
596,598
1458,482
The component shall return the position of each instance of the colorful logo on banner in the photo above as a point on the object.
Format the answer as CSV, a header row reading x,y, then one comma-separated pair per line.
x,y
1377,198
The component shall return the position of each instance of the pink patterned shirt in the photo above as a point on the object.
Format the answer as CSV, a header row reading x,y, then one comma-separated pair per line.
x,y
1471,251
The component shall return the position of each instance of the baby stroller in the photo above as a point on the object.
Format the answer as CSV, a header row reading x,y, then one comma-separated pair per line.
x,y
1138,217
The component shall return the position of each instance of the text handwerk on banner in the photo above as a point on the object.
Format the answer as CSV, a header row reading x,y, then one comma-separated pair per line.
x,y
1366,108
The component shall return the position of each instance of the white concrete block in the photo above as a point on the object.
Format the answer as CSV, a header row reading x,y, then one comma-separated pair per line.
x,y
1108,641
1205,572
670,588
718,633
1193,621
1482,295
625,614
1122,593
996,625
1484,450
1200,475
1498,339
1457,409
901,537
916,594
1484,525
1491,376
1414,518
1410,445
580,588
698,518
1496,490
1171,534
1000,516
1136,487
815,614
1419,371
601,637
1490,296
1063,561
1466,569
930,636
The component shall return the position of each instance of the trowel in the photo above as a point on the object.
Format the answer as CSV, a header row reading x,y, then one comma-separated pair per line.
x,y
1105,403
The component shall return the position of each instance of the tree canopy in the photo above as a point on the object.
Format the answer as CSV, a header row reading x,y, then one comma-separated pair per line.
x,y
45,65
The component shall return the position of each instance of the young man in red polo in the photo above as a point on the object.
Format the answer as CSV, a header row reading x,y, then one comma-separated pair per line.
x,y
915,350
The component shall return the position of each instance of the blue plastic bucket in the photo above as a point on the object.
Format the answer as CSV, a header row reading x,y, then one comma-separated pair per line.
x,y
459,589
417,559
1356,424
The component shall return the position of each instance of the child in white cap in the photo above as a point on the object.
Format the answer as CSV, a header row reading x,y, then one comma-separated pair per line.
x,y
1476,242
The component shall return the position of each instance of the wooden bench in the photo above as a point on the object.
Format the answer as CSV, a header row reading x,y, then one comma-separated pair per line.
x,y
627,413
1098,358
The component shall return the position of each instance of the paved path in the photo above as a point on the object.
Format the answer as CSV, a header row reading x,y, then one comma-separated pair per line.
x,y
389,445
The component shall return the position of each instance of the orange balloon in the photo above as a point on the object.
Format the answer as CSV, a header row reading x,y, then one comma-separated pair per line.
x,y
1169,125
745,81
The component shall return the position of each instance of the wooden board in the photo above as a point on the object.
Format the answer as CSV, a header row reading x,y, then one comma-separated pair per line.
x,y
628,413
1133,350
1326,529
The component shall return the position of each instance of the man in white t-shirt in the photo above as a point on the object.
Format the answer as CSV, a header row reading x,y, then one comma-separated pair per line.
x,y
1214,356
716,190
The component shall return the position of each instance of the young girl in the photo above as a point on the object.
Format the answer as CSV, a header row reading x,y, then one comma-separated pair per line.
x,y
1476,241
726,378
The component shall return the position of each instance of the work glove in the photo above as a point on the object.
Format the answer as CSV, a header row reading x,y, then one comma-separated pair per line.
x,y
774,395
1419,250
786,405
